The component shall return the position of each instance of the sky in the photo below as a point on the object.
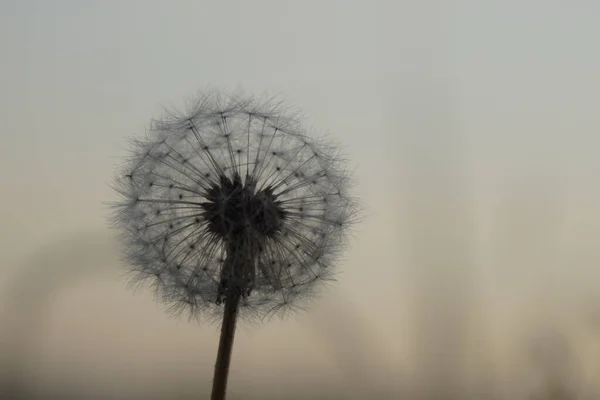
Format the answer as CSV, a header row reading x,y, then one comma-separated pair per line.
x,y
472,129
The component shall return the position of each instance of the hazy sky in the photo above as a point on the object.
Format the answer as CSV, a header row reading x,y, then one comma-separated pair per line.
x,y
473,126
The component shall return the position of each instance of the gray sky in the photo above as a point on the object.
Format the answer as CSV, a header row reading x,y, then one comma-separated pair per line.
x,y
473,126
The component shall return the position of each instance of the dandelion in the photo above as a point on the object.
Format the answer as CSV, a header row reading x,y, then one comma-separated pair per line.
x,y
231,209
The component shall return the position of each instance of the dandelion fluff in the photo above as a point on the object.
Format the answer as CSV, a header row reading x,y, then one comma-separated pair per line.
x,y
232,195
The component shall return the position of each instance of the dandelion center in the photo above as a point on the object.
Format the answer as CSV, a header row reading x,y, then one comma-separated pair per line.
x,y
233,208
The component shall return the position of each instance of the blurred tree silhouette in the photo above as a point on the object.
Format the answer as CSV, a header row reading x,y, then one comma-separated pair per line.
x,y
61,263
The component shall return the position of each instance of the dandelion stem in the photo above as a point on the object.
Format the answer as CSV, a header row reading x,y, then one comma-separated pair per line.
x,y
232,301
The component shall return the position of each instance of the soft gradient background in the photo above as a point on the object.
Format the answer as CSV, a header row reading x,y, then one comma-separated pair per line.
x,y
474,127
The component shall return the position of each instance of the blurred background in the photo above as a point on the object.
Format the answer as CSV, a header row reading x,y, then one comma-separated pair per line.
x,y
473,127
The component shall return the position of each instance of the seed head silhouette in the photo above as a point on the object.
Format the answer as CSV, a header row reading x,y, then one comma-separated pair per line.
x,y
232,208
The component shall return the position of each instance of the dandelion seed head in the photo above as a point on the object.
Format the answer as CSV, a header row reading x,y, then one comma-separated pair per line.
x,y
233,195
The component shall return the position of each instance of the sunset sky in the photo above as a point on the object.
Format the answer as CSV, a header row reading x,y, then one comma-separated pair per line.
x,y
473,128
